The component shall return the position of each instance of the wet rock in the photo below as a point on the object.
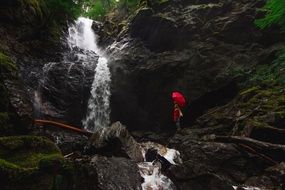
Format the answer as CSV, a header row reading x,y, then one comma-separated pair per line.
x,y
64,90
206,181
21,105
115,141
106,173
152,155
144,136
67,141
227,161
16,108
154,150
272,178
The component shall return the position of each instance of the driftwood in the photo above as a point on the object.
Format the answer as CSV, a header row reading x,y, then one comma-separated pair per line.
x,y
271,152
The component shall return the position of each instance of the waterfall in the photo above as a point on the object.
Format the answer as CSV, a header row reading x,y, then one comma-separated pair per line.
x,y
82,36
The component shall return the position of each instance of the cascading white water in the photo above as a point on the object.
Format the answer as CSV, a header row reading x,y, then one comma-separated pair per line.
x,y
151,171
82,36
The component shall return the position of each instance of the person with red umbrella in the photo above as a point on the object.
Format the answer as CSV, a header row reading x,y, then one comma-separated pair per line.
x,y
179,102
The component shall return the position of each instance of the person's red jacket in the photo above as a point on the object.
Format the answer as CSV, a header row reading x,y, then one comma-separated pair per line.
x,y
176,114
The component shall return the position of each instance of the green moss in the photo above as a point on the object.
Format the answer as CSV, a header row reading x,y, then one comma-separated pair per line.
x,y
6,64
257,106
25,160
250,90
51,162
27,151
8,165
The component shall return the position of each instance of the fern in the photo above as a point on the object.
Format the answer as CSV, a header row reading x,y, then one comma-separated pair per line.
x,y
274,14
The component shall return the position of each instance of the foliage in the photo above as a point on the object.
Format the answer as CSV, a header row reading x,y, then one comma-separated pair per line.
x,y
100,8
274,14
60,7
262,74
274,72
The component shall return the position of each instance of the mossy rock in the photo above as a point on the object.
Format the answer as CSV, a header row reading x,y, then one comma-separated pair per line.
x,y
25,160
257,106
27,151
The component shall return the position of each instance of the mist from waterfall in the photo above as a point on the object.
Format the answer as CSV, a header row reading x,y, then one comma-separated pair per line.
x,y
82,36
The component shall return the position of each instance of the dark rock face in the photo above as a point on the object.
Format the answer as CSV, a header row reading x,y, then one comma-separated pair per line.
x,y
159,33
64,89
106,174
192,47
16,109
21,105
115,141
25,38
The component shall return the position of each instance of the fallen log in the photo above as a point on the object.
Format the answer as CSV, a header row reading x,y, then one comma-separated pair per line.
x,y
276,152
40,122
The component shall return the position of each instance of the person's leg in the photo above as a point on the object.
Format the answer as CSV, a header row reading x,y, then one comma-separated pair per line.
x,y
178,123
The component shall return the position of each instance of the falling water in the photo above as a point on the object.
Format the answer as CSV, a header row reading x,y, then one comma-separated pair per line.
x,y
82,36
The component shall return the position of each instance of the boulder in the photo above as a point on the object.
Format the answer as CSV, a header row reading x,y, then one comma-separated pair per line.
x,y
68,142
226,161
26,159
272,178
115,141
105,173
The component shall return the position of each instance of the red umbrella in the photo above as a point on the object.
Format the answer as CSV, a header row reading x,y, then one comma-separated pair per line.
x,y
178,98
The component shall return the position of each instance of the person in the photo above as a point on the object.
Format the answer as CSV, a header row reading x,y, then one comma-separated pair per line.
x,y
177,114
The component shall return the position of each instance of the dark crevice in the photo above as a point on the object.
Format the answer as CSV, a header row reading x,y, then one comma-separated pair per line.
x,y
209,100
